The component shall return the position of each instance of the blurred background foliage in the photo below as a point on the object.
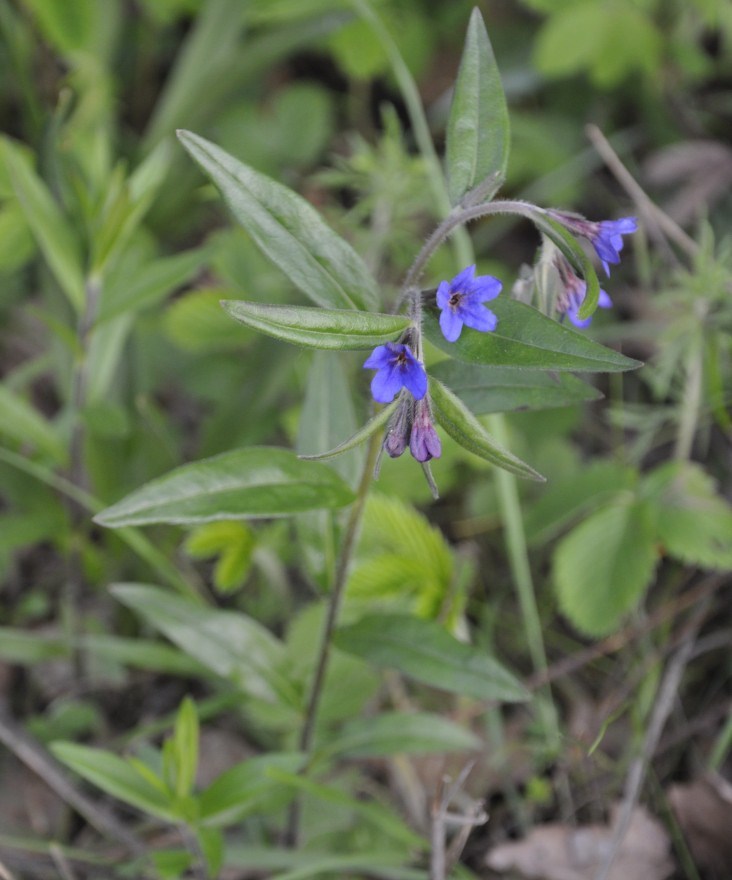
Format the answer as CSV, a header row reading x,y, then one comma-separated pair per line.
x,y
118,364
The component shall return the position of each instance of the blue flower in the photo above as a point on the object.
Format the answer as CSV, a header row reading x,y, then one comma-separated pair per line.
x,y
400,426
573,294
396,368
605,237
424,443
608,240
460,301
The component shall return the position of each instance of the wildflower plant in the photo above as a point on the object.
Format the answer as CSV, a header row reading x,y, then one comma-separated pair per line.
x,y
415,397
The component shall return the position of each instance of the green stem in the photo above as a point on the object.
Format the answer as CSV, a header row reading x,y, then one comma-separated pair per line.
x,y
506,483
350,536
518,556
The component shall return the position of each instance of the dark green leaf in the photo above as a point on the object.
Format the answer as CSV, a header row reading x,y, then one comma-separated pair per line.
x,y
526,338
242,484
501,389
334,329
452,414
425,651
288,230
478,128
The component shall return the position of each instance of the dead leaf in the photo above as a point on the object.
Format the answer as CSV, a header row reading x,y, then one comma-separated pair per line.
x,y
703,810
560,852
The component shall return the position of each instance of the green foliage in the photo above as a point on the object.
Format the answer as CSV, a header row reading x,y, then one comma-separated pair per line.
x,y
330,329
478,128
247,483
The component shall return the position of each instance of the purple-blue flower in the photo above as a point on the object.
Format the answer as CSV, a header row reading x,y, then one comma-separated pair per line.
x,y
424,443
396,368
605,237
573,293
461,303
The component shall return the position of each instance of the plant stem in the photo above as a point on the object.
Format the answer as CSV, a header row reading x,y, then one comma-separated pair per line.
x,y
690,404
350,537
454,219
518,557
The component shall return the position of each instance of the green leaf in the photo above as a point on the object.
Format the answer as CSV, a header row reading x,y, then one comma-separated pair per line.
x,y
248,789
526,338
22,423
229,643
115,776
452,414
185,747
564,500
371,812
391,733
68,26
377,423
242,484
425,651
51,229
603,567
149,285
478,127
332,329
693,522
502,389
288,230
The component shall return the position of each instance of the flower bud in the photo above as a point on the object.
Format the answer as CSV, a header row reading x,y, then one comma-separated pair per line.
x,y
397,435
424,443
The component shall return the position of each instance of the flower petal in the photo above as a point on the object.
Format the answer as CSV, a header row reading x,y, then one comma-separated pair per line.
x,y
604,300
443,295
463,280
485,288
479,318
380,357
386,383
450,324
414,379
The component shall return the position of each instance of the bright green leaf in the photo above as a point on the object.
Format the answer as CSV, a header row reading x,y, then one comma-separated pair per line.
x,y
185,747
603,567
116,777
288,230
334,329
242,484
247,788
478,128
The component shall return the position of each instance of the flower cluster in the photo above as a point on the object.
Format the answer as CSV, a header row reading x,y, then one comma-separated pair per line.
x,y
605,237
461,303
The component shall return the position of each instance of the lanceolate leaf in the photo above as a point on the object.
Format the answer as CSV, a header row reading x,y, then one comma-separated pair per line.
x,y
425,651
377,423
228,643
392,732
115,776
335,329
500,389
53,233
288,230
242,484
526,338
466,430
478,128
